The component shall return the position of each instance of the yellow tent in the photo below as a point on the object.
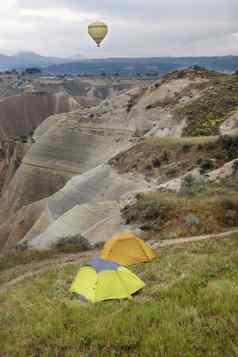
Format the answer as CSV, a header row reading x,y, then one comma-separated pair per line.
x,y
101,280
127,249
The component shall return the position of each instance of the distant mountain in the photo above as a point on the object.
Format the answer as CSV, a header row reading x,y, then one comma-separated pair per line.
x,y
123,66
32,58
133,66
78,57
29,59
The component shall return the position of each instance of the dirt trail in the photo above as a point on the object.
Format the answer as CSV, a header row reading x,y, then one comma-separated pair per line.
x,y
170,242
44,266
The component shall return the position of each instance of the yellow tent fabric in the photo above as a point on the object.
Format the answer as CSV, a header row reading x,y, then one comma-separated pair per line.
x,y
127,249
108,282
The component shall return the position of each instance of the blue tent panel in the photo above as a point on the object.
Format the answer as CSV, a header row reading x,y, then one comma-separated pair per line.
x,y
101,265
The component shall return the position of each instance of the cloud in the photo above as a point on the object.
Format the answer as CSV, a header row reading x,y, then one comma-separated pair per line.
x,y
145,10
137,27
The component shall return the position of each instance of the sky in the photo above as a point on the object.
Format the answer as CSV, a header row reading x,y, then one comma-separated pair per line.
x,y
137,28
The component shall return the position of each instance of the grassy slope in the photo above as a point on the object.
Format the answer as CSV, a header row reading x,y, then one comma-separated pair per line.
x,y
167,158
168,215
188,308
205,114
205,208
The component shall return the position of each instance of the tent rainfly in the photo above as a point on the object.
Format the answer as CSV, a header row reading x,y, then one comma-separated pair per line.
x,y
127,249
100,280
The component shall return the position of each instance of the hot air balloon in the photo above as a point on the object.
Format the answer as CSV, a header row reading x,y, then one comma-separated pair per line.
x,y
98,31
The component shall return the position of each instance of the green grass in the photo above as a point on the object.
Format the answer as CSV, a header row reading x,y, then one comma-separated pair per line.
x,y
188,308
13,264
11,260
174,141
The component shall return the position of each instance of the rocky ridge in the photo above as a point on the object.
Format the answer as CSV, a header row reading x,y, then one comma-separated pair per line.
x,y
69,179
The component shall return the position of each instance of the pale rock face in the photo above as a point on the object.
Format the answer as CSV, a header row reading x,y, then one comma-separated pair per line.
x,y
171,186
18,225
169,128
230,126
19,115
96,222
95,213
88,205
151,117
224,172
63,148
68,165
97,185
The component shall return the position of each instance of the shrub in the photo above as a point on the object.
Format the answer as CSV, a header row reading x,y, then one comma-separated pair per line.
x,y
205,166
187,187
150,210
186,148
24,139
192,220
228,204
191,186
180,74
156,163
73,243
231,218
165,157
235,168
172,172
148,213
230,145
196,67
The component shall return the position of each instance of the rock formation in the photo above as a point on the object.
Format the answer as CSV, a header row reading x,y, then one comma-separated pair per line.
x,y
67,176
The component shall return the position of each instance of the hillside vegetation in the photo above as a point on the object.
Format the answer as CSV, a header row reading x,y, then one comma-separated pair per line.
x,y
196,212
205,114
147,138
166,158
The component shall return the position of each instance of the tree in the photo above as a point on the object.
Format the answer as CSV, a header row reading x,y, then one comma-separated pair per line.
x,y
33,70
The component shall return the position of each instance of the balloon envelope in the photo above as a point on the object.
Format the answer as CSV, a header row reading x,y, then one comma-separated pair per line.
x,y
98,31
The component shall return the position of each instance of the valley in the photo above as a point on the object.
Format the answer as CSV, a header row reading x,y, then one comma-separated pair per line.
x,y
84,158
